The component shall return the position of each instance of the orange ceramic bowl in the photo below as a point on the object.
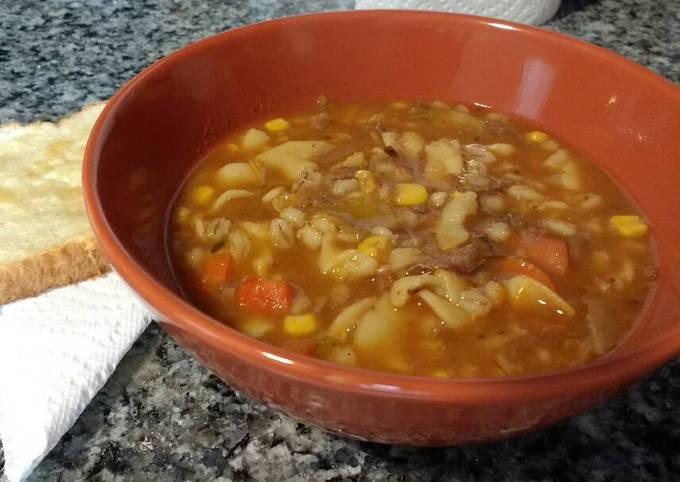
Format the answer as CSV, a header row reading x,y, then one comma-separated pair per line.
x,y
154,130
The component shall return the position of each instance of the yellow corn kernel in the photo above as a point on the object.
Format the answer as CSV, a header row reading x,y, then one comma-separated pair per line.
x,y
232,148
277,125
398,105
366,181
300,325
629,226
537,137
376,247
411,194
201,195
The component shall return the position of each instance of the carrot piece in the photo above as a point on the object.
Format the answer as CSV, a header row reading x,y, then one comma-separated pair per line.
x,y
217,269
265,296
514,266
551,254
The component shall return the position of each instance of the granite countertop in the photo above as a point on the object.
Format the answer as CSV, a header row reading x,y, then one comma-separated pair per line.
x,y
162,416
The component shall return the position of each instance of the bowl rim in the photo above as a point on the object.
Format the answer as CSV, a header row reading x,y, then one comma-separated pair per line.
x,y
609,370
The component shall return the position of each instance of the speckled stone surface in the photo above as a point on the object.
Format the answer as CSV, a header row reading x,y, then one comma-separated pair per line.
x,y
164,417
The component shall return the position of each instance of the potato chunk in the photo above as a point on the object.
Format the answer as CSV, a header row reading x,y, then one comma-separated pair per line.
x,y
238,174
528,293
254,139
408,144
443,159
293,158
377,336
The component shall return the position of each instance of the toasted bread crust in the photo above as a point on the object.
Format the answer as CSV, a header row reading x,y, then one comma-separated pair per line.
x,y
72,262
73,256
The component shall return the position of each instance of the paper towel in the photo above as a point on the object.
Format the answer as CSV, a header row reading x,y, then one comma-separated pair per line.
x,y
526,11
56,351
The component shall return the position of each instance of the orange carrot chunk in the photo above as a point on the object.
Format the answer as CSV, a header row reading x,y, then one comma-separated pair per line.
x,y
551,254
514,266
217,269
265,296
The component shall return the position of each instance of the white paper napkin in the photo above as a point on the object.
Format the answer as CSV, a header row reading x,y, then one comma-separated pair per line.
x,y
56,351
526,11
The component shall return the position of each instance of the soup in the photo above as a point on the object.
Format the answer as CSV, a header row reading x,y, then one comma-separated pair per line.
x,y
416,238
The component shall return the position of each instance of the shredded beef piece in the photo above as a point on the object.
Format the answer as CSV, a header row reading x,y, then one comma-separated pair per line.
x,y
463,260
579,246
493,186
499,131
392,152
338,154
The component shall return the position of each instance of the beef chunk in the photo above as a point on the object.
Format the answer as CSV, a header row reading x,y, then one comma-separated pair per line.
x,y
463,260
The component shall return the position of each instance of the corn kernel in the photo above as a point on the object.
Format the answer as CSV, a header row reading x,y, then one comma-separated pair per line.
x,y
366,181
411,194
629,226
537,137
201,195
277,125
232,148
300,325
398,105
376,247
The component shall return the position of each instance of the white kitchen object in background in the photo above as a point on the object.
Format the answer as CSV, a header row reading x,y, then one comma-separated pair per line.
x,y
525,11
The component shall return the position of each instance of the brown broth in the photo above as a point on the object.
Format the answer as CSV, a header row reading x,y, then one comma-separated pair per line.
x,y
504,332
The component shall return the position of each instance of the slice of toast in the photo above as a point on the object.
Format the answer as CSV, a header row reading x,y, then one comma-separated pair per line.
x,y
45,236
